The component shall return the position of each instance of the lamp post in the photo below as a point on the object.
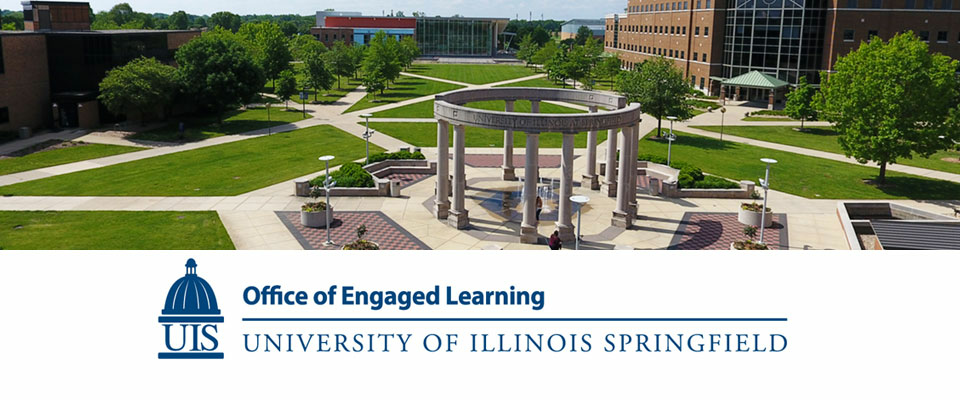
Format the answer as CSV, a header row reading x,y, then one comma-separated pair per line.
x,y
266,102
328,184
366,136
670,138
723,113
580,200
766,187
303,101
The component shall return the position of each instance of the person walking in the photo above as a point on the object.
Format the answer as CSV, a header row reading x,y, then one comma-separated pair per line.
x,y
555,243
539,207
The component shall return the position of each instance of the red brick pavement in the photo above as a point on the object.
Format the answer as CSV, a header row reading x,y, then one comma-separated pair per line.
x,y
705,231
496,160
380,229
407,179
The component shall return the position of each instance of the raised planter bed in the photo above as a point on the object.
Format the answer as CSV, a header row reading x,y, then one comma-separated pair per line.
x,y
316,219
752,218
379,171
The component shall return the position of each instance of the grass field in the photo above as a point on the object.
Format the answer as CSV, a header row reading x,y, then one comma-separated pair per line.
x,y
796,174
234,122
223,170
347,85
112,230
405,88
424,134
537,83
476,74
61,156
424,109
825,139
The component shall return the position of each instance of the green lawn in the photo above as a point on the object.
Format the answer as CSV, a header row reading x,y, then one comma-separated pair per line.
x,y
331,96
424,134
112,230
223,170
538,83
769,119
424,109
61,156
405,88
234,122
471,73
825,139
796,174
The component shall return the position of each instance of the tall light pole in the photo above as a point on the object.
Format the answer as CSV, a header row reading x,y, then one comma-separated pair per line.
x,y
670,138
580,200
328,184
366,136
766,187
723,113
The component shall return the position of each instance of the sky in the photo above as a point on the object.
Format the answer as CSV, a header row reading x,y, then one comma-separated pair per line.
x,y
550,9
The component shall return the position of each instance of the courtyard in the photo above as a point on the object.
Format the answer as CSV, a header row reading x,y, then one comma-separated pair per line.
x,y
233,187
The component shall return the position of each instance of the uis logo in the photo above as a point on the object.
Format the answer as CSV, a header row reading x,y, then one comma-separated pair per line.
x,y
190,317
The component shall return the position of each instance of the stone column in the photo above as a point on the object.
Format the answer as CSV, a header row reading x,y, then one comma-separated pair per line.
x,y
621,215
528,229
633,149
509,173
610,175
565,220
590,179
535,107
458,212
442,203
723,94
772,96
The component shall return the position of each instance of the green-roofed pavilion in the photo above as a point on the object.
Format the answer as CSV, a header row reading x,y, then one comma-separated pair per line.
x,y
756,83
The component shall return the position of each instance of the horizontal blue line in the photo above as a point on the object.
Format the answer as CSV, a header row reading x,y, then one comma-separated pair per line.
x,y
514,320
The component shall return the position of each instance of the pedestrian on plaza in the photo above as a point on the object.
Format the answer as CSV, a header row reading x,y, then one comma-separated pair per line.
x,y
555,243
539,207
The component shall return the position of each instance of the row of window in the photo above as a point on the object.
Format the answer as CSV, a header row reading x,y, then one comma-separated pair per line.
x,y
664,30
942,36
671,53
673,6
693,81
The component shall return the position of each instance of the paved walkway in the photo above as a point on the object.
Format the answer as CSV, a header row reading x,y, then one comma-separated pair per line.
x,y
21,144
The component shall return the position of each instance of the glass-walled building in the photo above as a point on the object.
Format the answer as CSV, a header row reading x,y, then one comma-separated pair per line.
x,y
781,38
475,37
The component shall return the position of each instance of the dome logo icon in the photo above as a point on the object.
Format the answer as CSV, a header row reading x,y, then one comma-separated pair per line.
x,y
190,317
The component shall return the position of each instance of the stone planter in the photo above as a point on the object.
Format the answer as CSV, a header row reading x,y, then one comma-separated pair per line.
x,y
752,218
315,219
344,247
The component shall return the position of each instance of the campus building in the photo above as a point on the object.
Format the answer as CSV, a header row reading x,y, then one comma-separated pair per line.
x,y
50,73
568,30
715,40
435,36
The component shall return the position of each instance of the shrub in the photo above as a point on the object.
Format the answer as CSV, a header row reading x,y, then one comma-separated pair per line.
x,y
713,182
350,175
400,155
753,207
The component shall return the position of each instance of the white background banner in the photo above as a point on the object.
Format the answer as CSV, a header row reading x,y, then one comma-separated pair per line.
x,y
858,325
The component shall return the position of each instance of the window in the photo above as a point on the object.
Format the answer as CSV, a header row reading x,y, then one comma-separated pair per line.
x,y
708,3
4,115
696,31
848,35
946,4
876,4
695,56
684,30
698,4
851,3
871,34
682,54
684,5
910,4
693,80
924,35
942,36
702,81
670,53
704,57
671,30
706,31
928,4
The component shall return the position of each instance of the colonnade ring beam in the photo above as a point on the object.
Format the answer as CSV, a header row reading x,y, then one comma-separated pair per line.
x,y
451,107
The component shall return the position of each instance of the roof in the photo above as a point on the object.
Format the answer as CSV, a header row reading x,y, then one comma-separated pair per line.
x,y
755,79
917,235
584,22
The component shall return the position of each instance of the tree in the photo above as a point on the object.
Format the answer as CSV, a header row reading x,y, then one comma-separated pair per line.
x,y
381,64
607,68
800,102
12,21
286,86
892,100
577,65
226,20
218,71
540,36
545,54
557,66
269,47
142,85
583,33
660,89
302,45
178,20
340,60
318,74
289,28
357,55
528,48
407,51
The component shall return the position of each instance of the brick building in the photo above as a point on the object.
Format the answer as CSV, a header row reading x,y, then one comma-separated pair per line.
x,y
712,40
50,73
